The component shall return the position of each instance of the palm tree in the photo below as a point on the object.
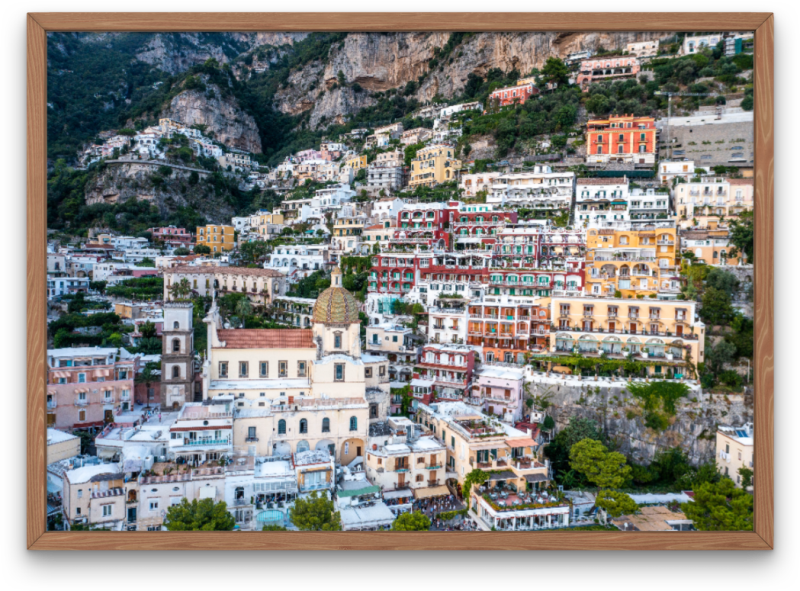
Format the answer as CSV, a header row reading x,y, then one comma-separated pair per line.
x,y
181,289
148,376
243,309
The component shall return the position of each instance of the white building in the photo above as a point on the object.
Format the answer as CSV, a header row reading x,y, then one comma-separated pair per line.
x,y
59,286
669,170
540,189
601,199
452,109
647,205
298,261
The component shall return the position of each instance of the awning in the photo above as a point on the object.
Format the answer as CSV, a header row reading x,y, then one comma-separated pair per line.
x,y
431,491
521,442
271,516
61,374
483,446
536,477
422,383
504,475
404,493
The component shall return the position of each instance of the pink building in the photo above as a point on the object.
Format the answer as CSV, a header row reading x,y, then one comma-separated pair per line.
x,y
499,391
514,94
87,386
612,66
171,235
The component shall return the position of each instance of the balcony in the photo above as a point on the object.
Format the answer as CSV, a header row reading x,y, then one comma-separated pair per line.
x,y
433,466
251,439
198,442
51,404
314,486
80,402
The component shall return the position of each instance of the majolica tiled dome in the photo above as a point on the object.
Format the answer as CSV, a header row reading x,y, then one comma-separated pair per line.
x,y
336,305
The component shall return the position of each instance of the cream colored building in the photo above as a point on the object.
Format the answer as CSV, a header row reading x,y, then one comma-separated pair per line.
x,y
433,165
702,204
652,330
304,389
61,446
262,286
475,440
735,451
94,495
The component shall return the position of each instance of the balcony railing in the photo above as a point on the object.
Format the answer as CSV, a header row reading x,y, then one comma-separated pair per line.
x,y
206,442
80,402
51,404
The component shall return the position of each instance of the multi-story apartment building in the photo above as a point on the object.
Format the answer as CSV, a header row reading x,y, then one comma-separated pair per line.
x,y
423,226
693,43
605,68
417,135
260,285
711,246
217,238
704,203
643,49
378,235
540,189
669,170
478,224
647,205
601,199
433,165
94,495
507,328
632,260
499,391
59,286
356,162
294,311
621,138
171,235
474,183
298,261
476,440
734,451
386,177
396,342
447,369
447,320
401,456
664,332
347,233
87,386
513,95
202,432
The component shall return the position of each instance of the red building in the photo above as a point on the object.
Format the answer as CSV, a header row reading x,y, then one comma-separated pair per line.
x,y
621,138
424,226
602,68
171,235
513,94
445,372
480,224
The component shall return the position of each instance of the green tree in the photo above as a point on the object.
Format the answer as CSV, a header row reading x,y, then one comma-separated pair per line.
x,y
243,308
201,249
616,503
181,251
199,515
315,513
181,289
720,506
148,375
273,528
475,477
718,355
741,235
723,280
98,286
716,307
557,451
253,252
606,469
747,477
411,521
554,70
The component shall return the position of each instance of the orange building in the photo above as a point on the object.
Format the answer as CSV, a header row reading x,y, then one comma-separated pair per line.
x,y
621,138
508,328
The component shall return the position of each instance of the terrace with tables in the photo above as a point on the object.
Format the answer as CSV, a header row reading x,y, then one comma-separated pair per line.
x,y
499,505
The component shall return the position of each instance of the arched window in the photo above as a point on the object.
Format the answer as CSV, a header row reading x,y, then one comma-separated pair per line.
x,y
176,325
353,424
303,426
281,427
326,425
176,345
176,371
302,446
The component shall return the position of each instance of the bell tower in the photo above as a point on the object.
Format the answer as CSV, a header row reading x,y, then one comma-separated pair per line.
x,y
177,355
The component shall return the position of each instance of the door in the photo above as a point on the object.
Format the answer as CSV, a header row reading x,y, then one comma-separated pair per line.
x,y
108,416
131,514
401,480
358,450
612,327
633,328
51,419
491,410
679,330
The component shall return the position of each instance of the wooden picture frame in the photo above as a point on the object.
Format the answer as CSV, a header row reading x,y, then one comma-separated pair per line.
x,y
39,24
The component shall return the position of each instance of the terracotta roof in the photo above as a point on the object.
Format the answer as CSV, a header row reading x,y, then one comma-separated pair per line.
x,y
375,227
247,271
740,181
267,338
603,181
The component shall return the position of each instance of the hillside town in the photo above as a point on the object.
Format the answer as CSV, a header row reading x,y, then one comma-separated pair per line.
x,y
410,330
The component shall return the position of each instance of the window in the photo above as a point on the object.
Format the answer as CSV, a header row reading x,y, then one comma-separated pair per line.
x,y
282,368
339,372
176,325
382,370
337,341
263,369
243,369
154,505
82,415
326,425
80,493
81,378
223,369
176,372
303,426
107,510
301,369
176,345
281,427
353,424
251,432
368,372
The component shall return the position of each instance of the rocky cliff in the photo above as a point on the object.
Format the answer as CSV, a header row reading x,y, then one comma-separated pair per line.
x,y
222,116
120,182
380,61
693,428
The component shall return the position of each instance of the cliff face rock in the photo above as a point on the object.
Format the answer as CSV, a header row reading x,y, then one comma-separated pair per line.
x,y
179,52
118,183
380,61
693,428
523,51
230,124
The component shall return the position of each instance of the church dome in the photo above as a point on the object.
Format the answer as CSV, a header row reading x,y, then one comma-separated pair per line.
x,y
336,305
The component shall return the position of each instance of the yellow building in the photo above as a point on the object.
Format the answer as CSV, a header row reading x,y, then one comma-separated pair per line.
x,y
217,238
347,233
652,330
635,262
734,451
711,246
356,162
433,165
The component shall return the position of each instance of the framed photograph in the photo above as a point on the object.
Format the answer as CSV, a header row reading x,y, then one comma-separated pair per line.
x,y
303,281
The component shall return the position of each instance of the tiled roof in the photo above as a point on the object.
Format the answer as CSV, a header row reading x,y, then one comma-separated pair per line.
x,y
740,181
603,181
267,338
246,271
